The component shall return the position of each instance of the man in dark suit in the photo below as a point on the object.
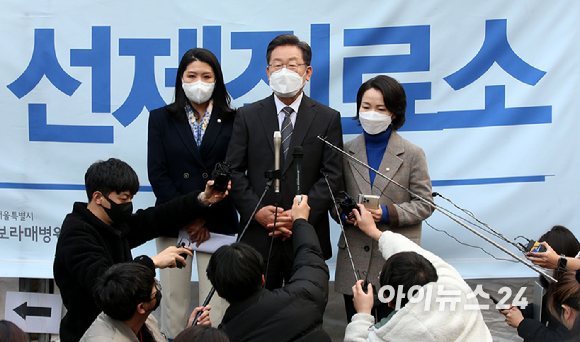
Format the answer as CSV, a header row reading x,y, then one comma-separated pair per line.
x,y
251,152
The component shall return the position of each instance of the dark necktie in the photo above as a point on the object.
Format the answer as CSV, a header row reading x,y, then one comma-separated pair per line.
x,y
286,130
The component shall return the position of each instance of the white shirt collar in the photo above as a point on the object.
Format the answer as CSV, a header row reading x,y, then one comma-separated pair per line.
x,y
295,105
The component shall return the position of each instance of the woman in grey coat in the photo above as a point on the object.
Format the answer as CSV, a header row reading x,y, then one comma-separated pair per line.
x,y
381,105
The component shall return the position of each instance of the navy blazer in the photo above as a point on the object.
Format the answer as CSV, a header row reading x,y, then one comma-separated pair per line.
x,y
251,152
176,166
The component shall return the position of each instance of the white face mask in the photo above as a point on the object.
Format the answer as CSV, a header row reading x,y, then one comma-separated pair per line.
x,y
198,92
286,83
373,122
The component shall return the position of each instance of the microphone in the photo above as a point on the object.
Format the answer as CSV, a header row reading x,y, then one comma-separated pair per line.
x,y
277,144
297,154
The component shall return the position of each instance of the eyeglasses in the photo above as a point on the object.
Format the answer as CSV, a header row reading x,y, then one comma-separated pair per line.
x,y
158,289
290,65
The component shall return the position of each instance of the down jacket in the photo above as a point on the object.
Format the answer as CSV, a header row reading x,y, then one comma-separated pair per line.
x,y
293,312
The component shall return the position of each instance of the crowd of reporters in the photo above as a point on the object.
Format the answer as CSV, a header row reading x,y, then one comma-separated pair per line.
x,y
110,295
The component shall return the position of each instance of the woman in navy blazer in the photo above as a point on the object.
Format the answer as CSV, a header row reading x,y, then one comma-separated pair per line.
x,y
186,140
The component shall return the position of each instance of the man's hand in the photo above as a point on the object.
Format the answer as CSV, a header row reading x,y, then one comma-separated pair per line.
x,y
203,318
168,257
284,220
513,316
284,224
363,302
210,196
366,223
376,213
265,216
547,259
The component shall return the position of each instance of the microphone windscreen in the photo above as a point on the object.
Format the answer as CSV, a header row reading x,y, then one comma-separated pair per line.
x,y
297,151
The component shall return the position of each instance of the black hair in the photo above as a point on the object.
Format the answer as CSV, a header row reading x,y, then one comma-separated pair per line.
x,y
201,333
563,241
10,332
393,95
407,269
220,96
289,39
111,175
565,292
122,287
235,271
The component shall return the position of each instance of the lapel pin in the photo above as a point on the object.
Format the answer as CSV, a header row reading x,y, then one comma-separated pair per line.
x,y
219,120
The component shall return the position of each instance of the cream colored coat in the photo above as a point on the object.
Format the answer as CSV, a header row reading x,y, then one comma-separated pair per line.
x,y
430,318
107,329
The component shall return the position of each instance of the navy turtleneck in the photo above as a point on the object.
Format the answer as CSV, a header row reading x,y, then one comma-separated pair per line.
x,y
376,146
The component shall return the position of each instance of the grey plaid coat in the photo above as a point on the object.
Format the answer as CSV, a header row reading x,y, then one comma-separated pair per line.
x,y
406,164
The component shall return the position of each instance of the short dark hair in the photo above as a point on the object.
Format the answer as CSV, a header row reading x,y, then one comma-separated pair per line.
x,y
201,333
221,98
407,269
235,271
111,175
393,95
10,332
289,39
122,287
563,241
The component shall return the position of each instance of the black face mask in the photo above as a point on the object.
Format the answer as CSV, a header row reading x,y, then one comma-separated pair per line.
x,y
158,295
119,213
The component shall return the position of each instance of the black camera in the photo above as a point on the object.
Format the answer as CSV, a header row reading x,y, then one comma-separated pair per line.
x,y
347,205
221,175
178,263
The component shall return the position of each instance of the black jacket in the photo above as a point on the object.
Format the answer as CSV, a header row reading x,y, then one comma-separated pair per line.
x,y
177,166
535,331
293,312
251,152
87,247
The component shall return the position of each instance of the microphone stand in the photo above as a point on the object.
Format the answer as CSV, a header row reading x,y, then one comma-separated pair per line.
x,y
276,201
341,228
441,210
270,175
277,197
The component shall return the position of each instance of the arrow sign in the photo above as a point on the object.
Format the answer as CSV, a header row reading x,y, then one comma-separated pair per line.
x,y
25,310
34,312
